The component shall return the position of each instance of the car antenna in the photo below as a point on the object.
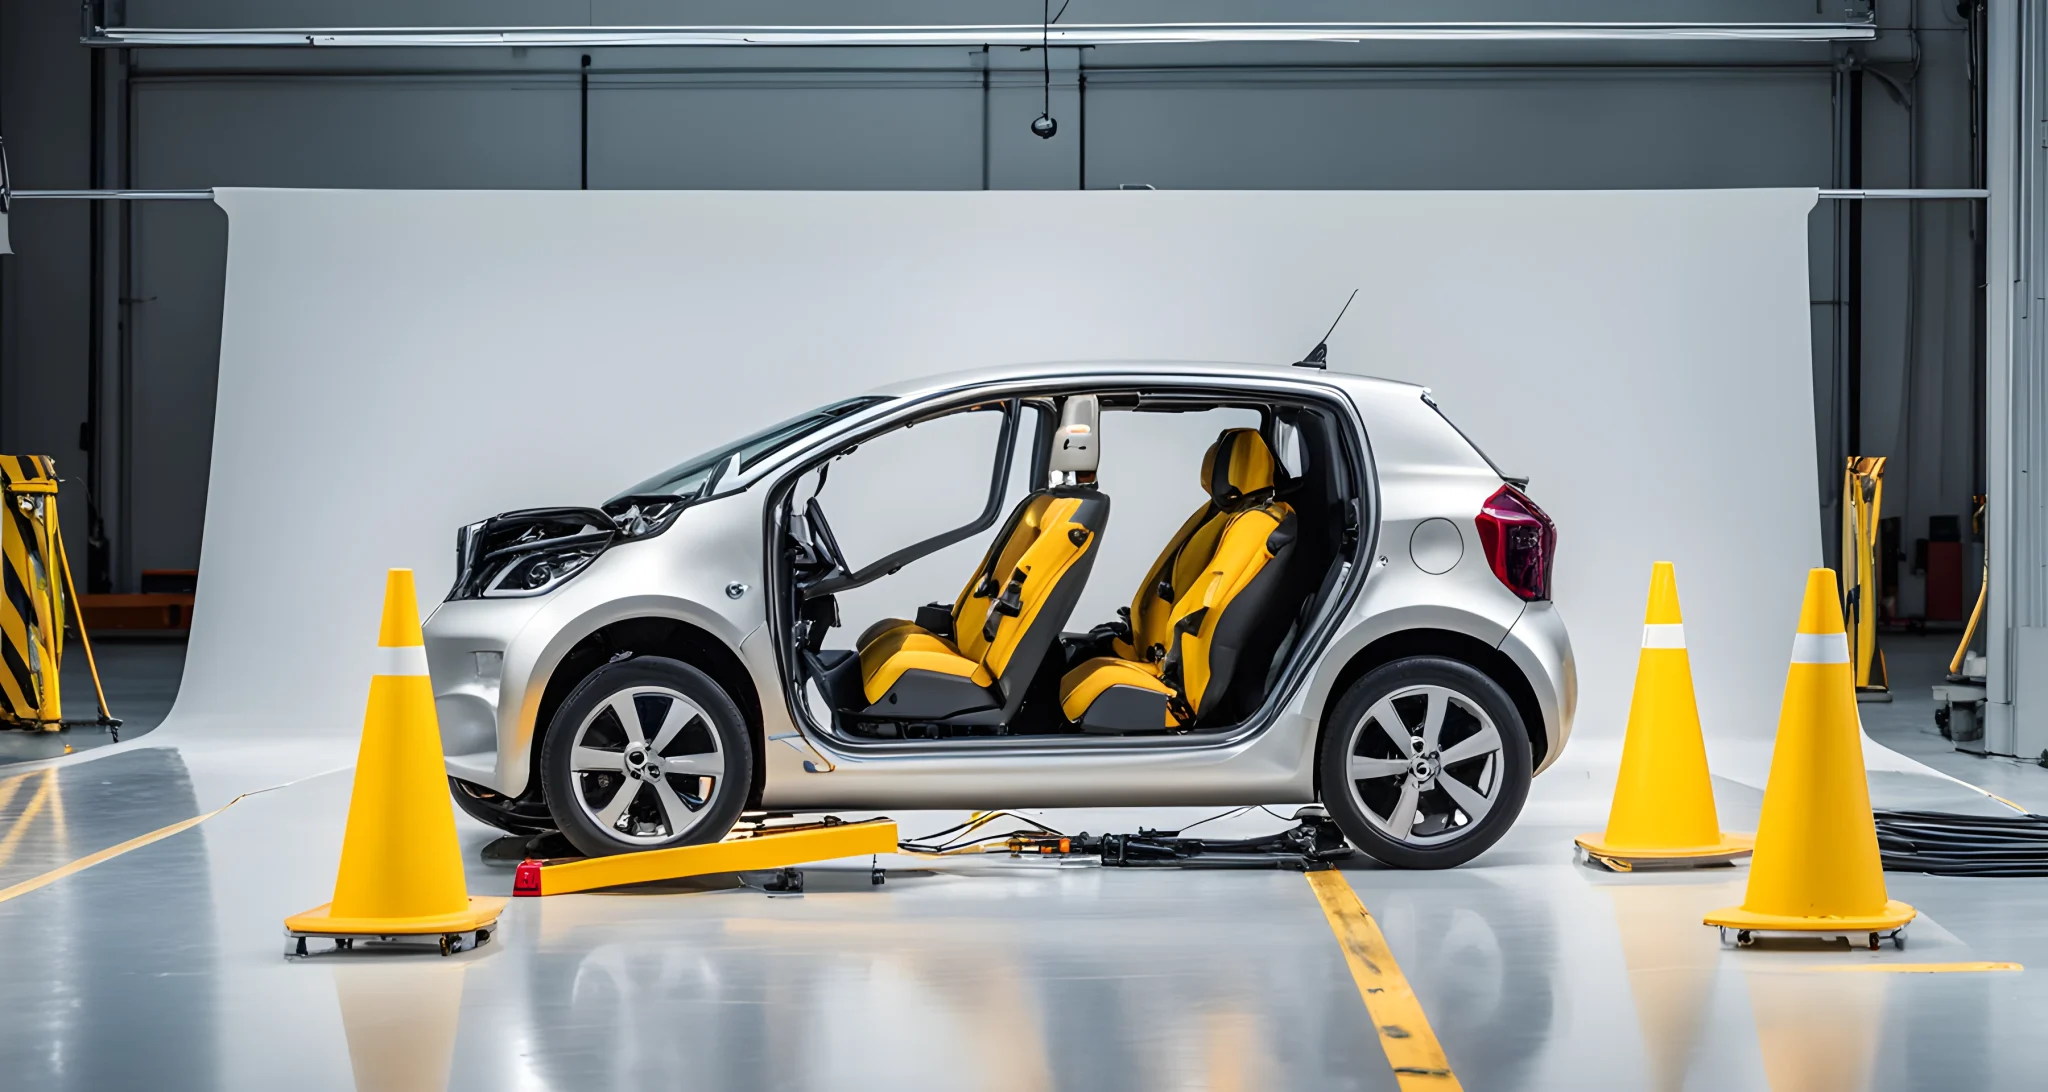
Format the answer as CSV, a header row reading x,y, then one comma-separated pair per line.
x,y
1319,357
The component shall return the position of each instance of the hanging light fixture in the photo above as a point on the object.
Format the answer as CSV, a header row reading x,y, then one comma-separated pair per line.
x,y
1044,126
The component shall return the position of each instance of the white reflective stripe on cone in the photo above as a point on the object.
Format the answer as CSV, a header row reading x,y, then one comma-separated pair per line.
x,y
409,660
1820,648
1663,635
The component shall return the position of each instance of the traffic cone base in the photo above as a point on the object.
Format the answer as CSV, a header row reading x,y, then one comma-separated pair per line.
x,y
320,921
1730,847
1895,914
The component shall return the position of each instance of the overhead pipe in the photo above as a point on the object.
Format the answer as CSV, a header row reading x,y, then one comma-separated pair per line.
x,y
1014,34
111,195
1906,194
207,195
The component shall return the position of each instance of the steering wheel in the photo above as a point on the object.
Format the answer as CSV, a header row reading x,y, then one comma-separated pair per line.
x,y
822,537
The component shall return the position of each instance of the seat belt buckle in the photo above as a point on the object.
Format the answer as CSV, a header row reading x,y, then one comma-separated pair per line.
x,y
1009,604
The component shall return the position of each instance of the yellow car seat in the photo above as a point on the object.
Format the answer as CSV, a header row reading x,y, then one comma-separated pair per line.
x,y
1011,609
1207,609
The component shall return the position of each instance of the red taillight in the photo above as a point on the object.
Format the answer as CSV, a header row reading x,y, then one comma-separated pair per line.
x,y
1520,542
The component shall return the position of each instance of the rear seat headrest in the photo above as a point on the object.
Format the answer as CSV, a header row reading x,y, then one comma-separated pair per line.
x,y
1238,465
1075,445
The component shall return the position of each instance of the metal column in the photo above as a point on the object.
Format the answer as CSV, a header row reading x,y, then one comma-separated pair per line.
x,y
2016,383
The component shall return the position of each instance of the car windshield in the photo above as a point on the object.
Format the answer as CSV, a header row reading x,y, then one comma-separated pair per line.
x,y
685,480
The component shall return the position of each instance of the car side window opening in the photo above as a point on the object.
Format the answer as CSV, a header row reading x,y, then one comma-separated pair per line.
x,y
1286,438
1150,464
1230,521
907,485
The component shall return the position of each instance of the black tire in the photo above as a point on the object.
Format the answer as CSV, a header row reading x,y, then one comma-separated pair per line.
x,y
522,815
1366,808
712,729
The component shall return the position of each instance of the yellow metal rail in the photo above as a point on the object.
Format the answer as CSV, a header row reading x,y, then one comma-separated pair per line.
x,y
750,851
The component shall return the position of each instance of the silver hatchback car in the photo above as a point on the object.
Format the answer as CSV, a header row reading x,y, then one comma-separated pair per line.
x,y
1358,614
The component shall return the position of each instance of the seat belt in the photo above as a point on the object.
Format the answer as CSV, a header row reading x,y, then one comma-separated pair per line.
x,y
1009,604
1169,671
985,587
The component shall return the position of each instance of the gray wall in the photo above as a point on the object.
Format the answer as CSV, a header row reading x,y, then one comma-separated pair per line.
x,y
46,120
1411,115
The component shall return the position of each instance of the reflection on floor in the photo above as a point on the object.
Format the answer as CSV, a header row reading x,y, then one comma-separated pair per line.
x,y
141,676
161,968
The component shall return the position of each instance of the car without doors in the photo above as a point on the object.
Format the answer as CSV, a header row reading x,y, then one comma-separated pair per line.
x,y
1316,590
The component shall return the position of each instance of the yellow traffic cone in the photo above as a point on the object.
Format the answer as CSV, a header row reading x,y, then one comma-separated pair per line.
x,y
1663,810
1816,867
401,868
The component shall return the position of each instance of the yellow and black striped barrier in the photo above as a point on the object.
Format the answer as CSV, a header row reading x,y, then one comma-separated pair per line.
x,y
35,595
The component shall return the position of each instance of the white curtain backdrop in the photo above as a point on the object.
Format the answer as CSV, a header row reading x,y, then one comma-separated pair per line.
x,y
394,364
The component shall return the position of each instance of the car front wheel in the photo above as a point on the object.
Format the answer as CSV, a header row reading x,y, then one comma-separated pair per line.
x,y
646,753
1425,763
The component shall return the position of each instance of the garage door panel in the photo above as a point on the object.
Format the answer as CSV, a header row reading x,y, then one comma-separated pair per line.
x,y
381,132
859,132
1419,132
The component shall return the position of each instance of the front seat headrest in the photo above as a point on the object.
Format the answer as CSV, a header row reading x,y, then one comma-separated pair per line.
x,y
1238,466
1074,445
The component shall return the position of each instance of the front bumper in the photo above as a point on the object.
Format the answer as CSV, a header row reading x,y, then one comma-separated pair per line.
x,y
1539,645
467,641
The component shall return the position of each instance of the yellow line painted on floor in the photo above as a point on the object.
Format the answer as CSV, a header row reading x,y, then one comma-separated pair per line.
x,y
109,853
1411,1046
137,842
1915,968
8,787
27,816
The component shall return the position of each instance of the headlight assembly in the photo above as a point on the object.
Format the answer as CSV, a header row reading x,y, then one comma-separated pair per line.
x,y
533,571
533,551
527,553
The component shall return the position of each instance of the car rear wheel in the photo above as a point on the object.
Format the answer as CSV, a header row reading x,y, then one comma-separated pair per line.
x,y
646,753
1425,763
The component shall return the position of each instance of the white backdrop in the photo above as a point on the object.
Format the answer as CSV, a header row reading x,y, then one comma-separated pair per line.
x,y
394,364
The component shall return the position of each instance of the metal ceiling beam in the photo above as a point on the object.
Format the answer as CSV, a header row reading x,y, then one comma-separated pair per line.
x,y
1012,34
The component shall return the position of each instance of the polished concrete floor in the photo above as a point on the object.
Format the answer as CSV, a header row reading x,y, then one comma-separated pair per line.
x,y
161,968
1906,723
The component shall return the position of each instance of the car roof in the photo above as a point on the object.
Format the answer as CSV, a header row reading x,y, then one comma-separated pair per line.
x,y
1082,369
889,398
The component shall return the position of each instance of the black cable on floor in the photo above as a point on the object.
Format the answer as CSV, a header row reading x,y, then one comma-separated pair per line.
x,y
1947,844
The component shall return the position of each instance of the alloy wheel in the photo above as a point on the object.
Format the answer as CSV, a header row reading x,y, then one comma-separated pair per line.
x,y
646,764
1426,764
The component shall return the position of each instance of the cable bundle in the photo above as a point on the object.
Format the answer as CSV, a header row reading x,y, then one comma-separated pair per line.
x,y
955,839
1947,844
1313,842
